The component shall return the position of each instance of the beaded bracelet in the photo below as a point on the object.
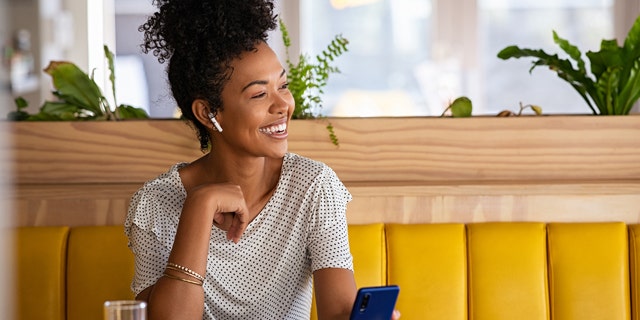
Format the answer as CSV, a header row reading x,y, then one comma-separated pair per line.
x,y
185,270
199,283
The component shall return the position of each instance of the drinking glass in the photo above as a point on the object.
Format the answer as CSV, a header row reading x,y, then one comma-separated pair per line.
x,y
125,310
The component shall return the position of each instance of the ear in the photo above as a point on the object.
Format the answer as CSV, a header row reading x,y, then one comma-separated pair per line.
x,y
201,111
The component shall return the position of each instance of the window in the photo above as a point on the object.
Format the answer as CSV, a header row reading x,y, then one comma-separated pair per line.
x,y
584,23
412,57
389,58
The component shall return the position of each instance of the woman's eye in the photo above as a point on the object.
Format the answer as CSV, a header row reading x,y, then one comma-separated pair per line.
x,y
259,95
285,85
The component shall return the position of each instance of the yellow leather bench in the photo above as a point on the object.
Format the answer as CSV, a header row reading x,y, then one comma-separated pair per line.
x,y
507,270
68,273
40,262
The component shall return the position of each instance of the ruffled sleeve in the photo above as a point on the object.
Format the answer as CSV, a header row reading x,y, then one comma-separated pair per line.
x,y
328,234
151,225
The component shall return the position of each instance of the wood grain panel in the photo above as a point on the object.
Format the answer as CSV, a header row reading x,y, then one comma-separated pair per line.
x,y
553,201
371,149
409,170
477,149
99,152
75,205
72,204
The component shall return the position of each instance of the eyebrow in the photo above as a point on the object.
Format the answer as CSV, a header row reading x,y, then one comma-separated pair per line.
x,y
260,82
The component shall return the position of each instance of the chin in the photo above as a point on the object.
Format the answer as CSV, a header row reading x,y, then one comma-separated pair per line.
x,y
280,150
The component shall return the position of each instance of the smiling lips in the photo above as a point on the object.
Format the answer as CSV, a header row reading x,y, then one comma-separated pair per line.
x,y
274,130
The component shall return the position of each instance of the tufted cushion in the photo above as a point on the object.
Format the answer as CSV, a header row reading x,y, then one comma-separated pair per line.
x,y
40,259
507,271
428,262
100,268
589,271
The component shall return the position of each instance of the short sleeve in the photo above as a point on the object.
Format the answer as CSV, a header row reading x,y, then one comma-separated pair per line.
x,y
151,225
328,234
150,258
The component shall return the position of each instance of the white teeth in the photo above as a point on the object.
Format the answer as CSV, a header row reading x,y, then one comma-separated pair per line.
x,y
274,129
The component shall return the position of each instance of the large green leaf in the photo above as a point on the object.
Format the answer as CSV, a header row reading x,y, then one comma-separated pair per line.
x,y
129,112
74,85
58,108
571,50
607,86
632,42
630,53
72,99
112,75
630,92
609,56
556,64
579,80
56,111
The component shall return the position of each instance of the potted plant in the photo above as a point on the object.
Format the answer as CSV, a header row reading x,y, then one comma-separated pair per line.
x,y
307,78
78,97
611,86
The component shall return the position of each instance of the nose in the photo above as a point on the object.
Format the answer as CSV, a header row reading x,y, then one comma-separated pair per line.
x,y
282,102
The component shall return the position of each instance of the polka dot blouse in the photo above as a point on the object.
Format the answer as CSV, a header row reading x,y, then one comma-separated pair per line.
x,y
267,275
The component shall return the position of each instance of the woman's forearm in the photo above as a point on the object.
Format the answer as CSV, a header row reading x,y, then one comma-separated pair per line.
x,y
179,293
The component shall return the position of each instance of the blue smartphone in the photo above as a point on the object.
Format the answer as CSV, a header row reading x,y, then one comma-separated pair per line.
x,y
375,303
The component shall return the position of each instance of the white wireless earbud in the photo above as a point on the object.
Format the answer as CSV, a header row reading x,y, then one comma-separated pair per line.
x,y
215,122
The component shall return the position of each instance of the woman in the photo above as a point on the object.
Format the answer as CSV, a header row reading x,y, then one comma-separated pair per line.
x,y
240,232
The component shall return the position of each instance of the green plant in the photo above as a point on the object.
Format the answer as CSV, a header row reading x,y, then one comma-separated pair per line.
x,y
508,113
78,97
461,107
613,84
307,77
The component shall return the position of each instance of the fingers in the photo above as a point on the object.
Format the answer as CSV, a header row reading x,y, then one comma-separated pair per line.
x,y
240,217
218,219
395,315
238,225
231,222
227,205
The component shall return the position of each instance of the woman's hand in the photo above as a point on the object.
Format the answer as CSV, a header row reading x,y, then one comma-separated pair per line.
x,y
226,204
395,315
223,220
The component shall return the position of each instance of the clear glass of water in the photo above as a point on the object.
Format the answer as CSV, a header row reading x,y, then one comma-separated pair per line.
x,y
125,310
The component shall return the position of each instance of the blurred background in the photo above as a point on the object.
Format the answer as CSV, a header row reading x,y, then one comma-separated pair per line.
x,y
6,211
405,58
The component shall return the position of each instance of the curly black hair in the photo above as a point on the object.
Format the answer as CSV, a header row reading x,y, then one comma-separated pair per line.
x,y
199,38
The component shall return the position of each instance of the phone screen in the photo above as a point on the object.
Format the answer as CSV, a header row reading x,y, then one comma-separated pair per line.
x,y
373,303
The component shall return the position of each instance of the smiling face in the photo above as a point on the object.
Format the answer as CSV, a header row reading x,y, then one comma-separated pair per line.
x,y
257,106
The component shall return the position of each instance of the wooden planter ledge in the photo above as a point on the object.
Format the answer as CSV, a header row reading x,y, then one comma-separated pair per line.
x,y
409,170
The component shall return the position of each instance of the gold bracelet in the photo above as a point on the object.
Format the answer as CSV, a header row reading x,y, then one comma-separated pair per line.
x,y
185,270
170,276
